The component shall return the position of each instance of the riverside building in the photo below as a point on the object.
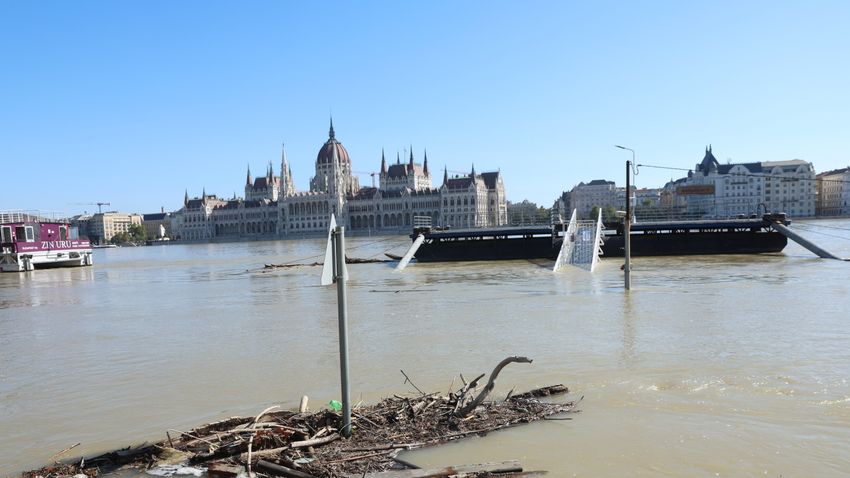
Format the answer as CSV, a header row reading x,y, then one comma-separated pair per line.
x,y
273,207
597,193
727,190
102,226
833,193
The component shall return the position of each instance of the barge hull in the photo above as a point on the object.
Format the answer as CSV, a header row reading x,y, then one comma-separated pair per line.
x,y
487,250
686,244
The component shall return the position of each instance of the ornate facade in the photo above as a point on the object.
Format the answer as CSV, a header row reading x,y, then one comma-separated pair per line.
x,y
272,206
728,190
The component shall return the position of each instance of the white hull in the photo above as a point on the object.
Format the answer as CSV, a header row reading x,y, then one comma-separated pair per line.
x,y
10,262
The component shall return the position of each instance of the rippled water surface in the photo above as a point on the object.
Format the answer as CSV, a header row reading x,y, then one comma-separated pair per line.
x,y
715,365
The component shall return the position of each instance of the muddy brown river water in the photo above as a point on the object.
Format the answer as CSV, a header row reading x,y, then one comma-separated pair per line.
x,y
710,366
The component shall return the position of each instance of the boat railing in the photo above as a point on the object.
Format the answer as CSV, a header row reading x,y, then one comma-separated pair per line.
x,y
713,209
421,224
28,215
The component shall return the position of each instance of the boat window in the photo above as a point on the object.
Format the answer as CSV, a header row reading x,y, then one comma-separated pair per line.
x,y
20,234
63,233
6,234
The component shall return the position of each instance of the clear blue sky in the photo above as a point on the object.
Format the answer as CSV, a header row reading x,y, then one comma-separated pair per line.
x,y
133,103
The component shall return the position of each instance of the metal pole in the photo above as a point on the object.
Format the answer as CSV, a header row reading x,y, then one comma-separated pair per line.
x,y
627,227
342,304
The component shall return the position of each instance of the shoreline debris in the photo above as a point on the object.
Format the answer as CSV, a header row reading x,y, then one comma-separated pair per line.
x,y
305,444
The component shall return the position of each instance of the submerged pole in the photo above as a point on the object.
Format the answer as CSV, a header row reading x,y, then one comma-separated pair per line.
x,y
822,253
342,305
627,229
627,222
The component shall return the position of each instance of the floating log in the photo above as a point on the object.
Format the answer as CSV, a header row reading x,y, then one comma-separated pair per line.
x,y
542,392
511,466
348,260
281,470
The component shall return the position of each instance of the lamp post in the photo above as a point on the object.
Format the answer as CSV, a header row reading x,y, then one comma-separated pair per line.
x,y
627,221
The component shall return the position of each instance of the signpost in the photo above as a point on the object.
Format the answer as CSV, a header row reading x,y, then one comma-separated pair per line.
x,y
334,271
627,221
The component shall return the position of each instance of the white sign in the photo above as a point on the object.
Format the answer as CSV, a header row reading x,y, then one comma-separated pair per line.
x,y
328,266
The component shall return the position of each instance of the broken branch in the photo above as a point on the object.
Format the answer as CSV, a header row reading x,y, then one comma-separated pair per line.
x,y
491,382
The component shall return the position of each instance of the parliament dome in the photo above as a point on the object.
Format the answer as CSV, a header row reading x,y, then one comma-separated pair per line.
x,y
332,149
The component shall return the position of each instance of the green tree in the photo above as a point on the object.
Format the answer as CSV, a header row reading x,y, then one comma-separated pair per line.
x,y
137,233
544,215
609,213
647,210
120,238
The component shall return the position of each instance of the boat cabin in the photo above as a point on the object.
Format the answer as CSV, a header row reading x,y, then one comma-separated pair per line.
x,y
26,245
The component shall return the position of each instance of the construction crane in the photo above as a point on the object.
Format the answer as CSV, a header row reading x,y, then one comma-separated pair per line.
x,y
370,173
98,204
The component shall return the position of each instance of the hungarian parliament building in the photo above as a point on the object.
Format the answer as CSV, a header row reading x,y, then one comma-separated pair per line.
x,y
273,207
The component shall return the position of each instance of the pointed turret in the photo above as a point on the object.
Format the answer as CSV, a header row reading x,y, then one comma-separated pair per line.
x,y
248,179
397,158
472,175
445,174
186,198
270,172
285,174
709,163
425,163
383,162
410,163
331,134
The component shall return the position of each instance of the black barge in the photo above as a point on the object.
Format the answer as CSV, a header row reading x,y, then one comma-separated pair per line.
x,y
487,244
751,235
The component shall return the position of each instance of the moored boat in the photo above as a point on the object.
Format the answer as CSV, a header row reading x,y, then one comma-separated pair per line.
x,y
751,235
29,242
488,244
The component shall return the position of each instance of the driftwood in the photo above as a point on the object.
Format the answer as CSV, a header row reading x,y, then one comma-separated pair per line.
x,y
348,260
511,466
307,444
66,450
491,382
281,470
314,442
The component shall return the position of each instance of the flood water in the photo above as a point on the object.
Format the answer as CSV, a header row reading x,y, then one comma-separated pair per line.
x,y
710,366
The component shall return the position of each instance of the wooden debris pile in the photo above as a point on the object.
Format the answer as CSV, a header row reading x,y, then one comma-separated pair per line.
x,y
309,444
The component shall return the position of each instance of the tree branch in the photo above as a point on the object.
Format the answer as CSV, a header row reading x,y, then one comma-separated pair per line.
x,y
491,383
